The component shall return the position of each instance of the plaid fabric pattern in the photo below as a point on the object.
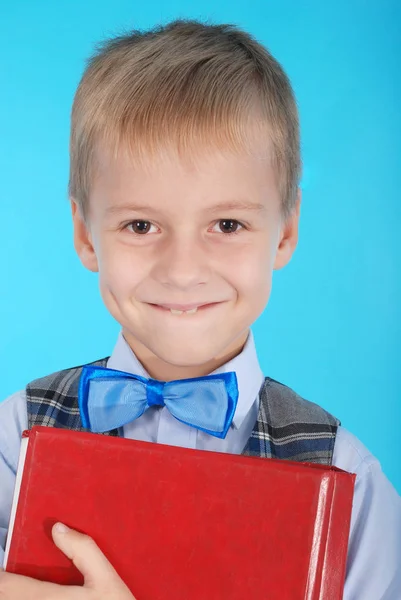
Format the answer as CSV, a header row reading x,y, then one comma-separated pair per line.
x,y
52,401
287,427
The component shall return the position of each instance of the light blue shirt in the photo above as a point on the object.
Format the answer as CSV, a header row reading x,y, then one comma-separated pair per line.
x,y
374,556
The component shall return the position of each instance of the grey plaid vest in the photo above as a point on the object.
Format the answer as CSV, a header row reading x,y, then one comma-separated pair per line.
x,y
287,427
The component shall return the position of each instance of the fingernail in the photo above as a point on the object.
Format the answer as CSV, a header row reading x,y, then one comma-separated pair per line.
x,y
61,528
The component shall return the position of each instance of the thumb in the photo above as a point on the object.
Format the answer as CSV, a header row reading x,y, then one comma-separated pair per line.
x,y
88,558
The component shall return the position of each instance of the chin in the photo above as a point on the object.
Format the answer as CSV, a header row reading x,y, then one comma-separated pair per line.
x,y
185,357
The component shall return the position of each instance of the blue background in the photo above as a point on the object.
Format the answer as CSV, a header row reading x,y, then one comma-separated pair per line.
x,y
332,327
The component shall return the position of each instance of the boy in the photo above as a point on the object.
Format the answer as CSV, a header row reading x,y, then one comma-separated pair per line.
x,y
185,167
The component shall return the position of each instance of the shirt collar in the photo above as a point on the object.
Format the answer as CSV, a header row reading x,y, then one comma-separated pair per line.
x,y
246,366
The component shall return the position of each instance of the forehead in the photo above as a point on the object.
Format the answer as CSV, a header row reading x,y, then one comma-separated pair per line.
x,y
209,177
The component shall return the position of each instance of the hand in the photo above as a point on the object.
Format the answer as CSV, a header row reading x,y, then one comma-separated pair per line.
x,y
101,581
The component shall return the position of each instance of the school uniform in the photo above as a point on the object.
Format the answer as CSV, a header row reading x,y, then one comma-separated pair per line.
x,y
270,420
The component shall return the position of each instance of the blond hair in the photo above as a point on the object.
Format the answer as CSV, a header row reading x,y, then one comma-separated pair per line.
x,y
186,85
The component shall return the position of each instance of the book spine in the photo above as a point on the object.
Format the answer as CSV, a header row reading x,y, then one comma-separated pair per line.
x,y
320,533
338,528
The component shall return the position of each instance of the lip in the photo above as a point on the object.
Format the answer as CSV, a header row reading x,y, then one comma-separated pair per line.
x,y
183,307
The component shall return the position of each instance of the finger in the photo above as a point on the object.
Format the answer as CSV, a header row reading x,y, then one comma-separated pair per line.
x,y
88,558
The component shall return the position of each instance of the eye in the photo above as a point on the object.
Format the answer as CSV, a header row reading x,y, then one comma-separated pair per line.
x,y
139,227
229,226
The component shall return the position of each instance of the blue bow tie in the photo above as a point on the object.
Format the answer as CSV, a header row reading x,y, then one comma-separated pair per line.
x,y
109,399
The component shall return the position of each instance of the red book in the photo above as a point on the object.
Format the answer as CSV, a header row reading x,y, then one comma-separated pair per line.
x,y
180,524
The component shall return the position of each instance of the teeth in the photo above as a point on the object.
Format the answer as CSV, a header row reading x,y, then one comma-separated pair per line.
x,y
180,312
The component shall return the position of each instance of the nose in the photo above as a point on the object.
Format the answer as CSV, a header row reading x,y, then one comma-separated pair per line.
x,y
183,263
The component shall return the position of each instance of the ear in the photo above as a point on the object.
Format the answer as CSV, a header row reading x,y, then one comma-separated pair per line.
x,y
82,239
288,237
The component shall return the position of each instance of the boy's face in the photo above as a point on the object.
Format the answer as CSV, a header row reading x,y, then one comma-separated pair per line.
x,y
157,237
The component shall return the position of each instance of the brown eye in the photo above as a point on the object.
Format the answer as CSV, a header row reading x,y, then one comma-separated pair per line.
x,y
228,225
139,227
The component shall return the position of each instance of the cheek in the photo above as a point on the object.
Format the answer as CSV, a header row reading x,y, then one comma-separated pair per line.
x,y
119,268
253,278
253,266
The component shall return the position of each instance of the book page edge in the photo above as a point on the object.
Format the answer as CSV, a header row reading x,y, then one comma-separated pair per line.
x,y
20,470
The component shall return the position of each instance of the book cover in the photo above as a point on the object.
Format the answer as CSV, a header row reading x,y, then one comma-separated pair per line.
x,y
181,524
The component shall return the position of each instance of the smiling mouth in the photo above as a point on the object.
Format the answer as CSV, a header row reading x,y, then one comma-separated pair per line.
x,y
193,311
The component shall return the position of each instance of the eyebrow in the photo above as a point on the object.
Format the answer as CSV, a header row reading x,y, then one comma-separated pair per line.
x,y
230,205
238,205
